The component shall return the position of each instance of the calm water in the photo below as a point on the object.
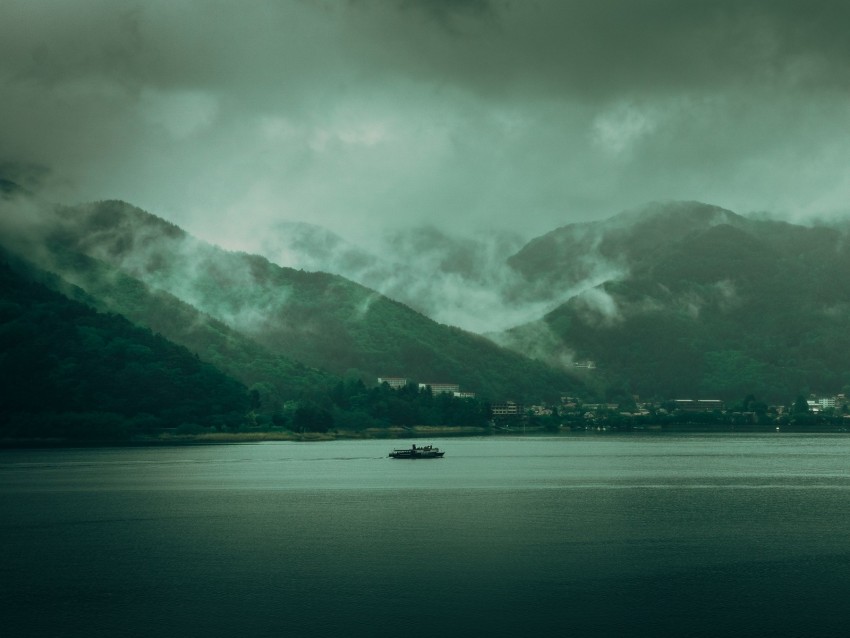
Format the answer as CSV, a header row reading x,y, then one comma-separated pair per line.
x,y
596,536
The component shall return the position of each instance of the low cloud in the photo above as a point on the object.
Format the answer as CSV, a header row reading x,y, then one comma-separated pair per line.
x,y
455,280
596,306
537,340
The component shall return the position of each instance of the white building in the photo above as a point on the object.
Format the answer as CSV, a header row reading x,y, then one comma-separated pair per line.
x,y
393,382
508,408
438,388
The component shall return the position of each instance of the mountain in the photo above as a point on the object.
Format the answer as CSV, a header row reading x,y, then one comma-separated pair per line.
x,y
603,250
671,300
700,302
275,378
69,372
321,320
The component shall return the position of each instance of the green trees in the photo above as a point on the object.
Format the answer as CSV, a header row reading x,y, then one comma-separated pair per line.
x,y
801,406
70,372
310,417
357,407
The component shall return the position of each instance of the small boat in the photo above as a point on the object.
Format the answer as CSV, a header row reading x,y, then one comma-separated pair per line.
x,y
426,452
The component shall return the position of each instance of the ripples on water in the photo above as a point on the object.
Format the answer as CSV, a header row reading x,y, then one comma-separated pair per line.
x,y
643,535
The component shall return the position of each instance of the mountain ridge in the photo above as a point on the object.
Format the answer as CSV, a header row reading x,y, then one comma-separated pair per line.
x,y
668,299
719,305
319,319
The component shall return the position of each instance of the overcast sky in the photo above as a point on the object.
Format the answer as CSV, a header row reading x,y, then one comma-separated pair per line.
x,y
469,114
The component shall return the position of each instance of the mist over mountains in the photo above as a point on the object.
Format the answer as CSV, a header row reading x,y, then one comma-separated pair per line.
x,y
708,303
133,262
458,280
670,300
450,145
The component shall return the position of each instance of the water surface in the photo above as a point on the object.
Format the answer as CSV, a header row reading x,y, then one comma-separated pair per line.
x,y
594,536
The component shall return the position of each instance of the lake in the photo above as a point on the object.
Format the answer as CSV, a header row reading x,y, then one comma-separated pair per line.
x,y
596,535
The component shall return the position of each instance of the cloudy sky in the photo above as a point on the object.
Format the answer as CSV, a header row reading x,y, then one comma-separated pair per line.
x,y
470,114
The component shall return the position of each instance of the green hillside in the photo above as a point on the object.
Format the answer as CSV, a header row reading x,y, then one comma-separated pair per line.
x,y
69,372
275,379
579,252
708,304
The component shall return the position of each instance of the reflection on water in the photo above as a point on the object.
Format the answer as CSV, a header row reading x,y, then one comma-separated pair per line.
x,y
654,535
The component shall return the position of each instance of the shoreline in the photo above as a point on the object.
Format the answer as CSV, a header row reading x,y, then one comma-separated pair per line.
x,y
167,439
170,439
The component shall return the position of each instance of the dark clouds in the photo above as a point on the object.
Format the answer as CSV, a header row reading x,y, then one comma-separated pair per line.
x,y
228,116
596,50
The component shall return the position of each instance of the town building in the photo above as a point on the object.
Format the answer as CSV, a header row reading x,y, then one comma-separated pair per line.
x,y
439,388
825,402
393,382
508,408
699,405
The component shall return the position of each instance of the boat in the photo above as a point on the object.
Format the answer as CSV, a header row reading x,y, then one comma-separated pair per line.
x,y
425,452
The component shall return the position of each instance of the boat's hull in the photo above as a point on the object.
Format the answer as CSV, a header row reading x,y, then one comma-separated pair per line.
x,y
409,454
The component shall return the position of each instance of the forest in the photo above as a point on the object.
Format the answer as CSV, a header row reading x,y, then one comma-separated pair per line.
x,y
72,373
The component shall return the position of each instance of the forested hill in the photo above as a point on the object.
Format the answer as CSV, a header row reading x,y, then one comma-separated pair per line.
x,y
274,378
75,375
69,372
323,321
700,302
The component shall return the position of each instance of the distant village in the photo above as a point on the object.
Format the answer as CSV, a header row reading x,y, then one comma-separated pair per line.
x,y
572,411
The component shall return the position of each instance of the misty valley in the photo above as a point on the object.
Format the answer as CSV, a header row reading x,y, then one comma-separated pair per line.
x,y
116,325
